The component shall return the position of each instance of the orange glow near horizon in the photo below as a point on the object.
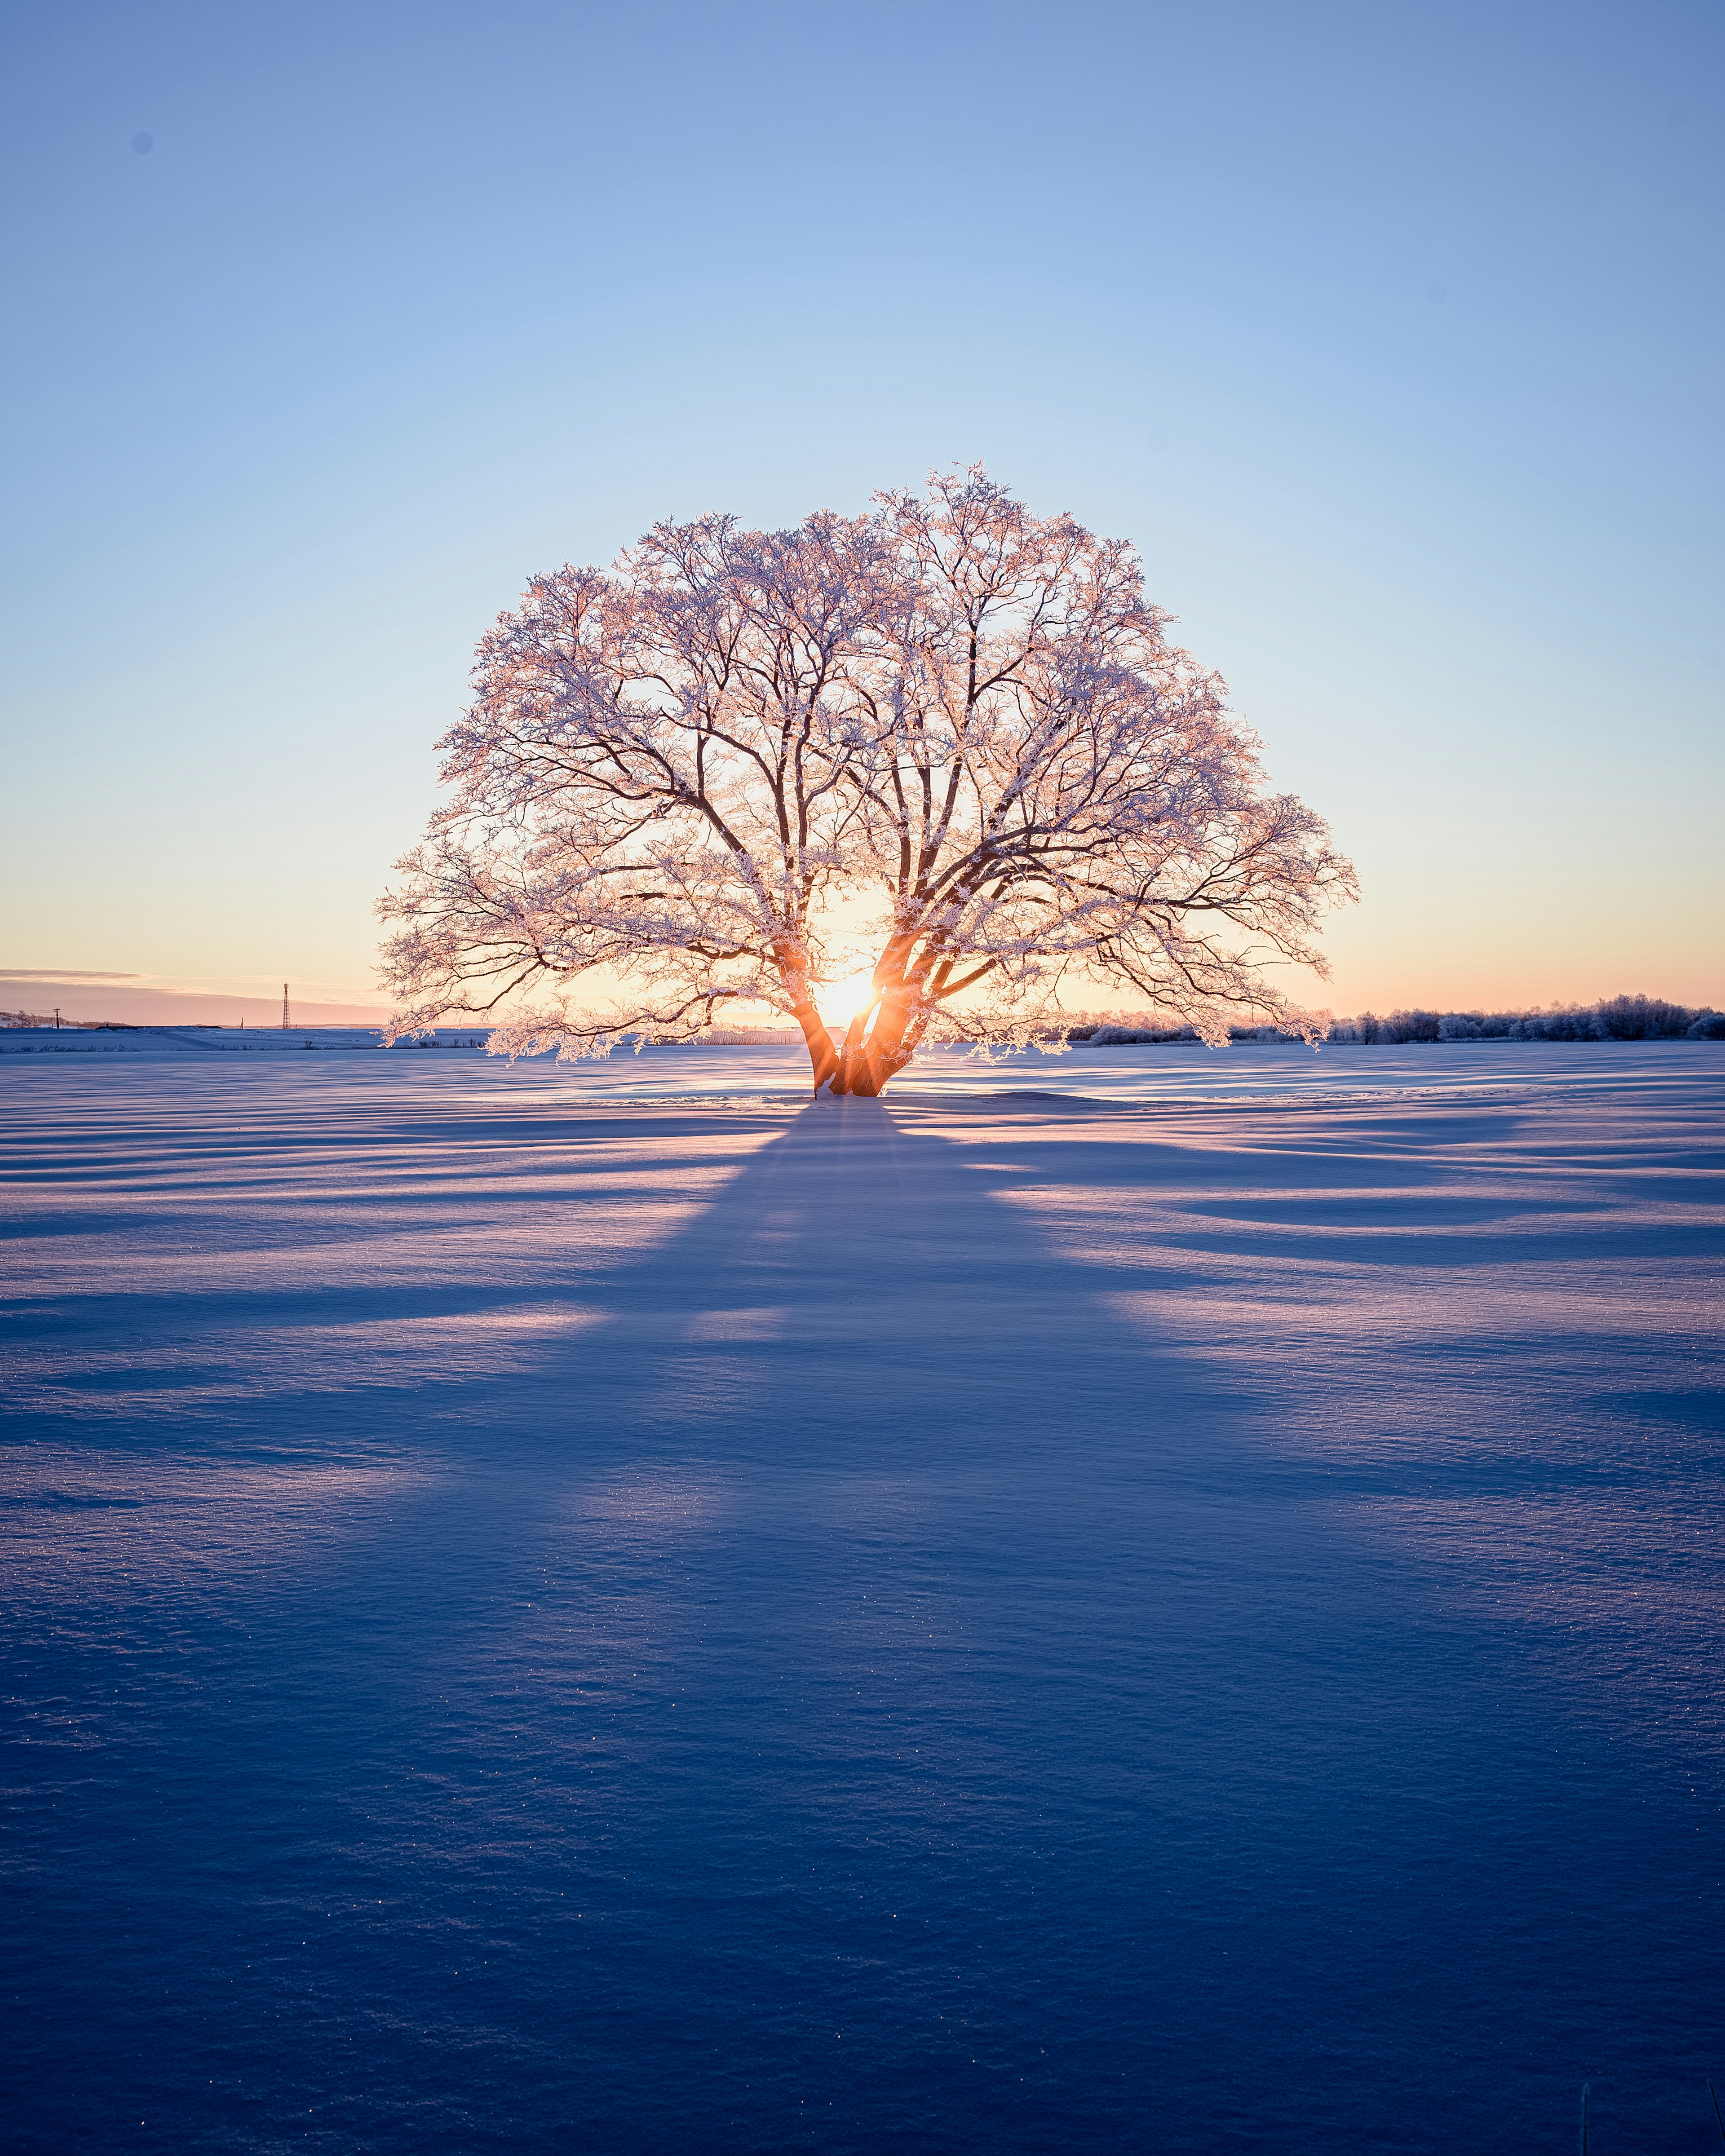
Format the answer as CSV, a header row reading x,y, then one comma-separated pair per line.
x,y
839,1001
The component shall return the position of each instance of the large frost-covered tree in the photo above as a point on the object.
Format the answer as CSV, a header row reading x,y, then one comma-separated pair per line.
x,y
684,777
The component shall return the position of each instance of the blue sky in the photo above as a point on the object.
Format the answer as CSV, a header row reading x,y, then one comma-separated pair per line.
x,y
1390,333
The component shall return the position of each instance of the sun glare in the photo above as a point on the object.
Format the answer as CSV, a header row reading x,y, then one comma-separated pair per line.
x,y
839,1001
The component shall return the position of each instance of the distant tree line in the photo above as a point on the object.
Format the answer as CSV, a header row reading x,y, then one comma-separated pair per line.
x,y
1618,1018
41,1021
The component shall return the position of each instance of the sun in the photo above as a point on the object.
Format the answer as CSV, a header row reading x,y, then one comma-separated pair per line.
x,y
839,1001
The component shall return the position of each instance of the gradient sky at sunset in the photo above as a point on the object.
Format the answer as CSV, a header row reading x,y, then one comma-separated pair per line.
x,y
1389,332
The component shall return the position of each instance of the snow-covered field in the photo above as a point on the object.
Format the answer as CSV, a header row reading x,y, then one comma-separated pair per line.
x,y
1137,1601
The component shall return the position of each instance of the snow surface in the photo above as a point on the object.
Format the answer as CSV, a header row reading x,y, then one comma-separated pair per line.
x,y
1178,1070
1142,1600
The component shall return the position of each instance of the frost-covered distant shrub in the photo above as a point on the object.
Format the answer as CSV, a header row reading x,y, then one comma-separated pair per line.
x,y
1403,1025
1456,1027
1709,1026
1360,1032
1124,1036
1642,1018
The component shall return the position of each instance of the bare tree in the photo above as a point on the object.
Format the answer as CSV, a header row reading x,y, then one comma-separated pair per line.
x,y
673,772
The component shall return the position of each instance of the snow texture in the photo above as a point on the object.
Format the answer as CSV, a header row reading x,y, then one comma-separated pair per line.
x,y
542,1618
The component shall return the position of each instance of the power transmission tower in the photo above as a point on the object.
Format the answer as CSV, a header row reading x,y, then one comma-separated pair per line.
x,y
283,1007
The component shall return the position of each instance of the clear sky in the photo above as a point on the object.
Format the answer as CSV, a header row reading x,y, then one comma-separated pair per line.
x,y
1389,332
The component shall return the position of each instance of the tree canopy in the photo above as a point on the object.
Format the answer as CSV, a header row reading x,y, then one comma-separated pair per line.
x,y
679,775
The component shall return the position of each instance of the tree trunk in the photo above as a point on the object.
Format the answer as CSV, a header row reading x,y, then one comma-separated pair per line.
x,y
865,1065
823,1056
860,1065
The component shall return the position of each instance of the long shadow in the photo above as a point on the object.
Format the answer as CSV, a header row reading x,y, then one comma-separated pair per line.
x,y
853,1695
